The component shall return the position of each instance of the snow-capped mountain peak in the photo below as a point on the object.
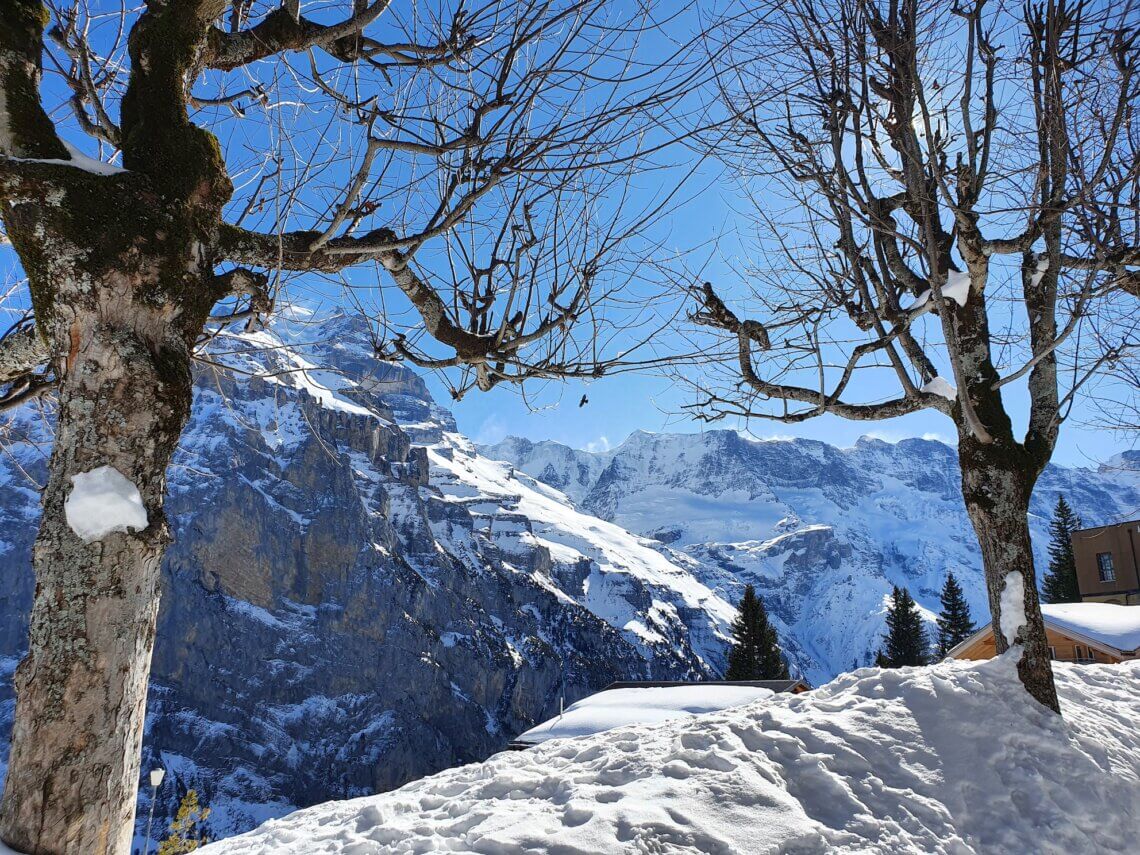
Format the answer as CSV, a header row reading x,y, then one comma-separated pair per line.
x,y
822,532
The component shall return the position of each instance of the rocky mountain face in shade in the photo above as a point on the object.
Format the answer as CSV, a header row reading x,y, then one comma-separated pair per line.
x,y
822,532
355,597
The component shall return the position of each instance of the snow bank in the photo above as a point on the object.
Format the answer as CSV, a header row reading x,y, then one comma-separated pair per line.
x,y
1116,626
953,758
644,705
103,501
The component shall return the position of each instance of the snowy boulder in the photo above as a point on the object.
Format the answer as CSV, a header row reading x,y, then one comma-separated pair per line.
x,y
103,501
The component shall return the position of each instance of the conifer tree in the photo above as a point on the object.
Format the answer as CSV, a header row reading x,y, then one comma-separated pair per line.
x,y
188,830
906,641
755,653
1060,582
955,624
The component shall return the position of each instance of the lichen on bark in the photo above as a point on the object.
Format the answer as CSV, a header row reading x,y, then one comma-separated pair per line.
x,y
25,128
121,280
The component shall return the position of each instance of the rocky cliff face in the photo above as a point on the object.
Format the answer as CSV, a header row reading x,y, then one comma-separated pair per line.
x,y
822,532
355,597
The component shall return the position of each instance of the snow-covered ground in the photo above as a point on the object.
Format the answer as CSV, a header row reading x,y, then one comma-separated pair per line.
x,y
953,758
606,710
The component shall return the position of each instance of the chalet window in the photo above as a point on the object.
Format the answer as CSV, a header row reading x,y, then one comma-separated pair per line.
x,y
1052,652
1078,652
1104,566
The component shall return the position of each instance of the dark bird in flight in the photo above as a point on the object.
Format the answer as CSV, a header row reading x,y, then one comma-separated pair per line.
x,y
584,401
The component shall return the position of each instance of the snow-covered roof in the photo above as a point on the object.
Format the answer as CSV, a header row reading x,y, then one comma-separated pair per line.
x,y
1116,628
618,707
1105,623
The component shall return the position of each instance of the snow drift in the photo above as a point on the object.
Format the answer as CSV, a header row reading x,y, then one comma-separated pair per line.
x,y
952,758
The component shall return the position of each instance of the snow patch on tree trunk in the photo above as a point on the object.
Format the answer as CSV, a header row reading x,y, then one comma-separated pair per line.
x,y
103,501
1012,606
957,288
1039,271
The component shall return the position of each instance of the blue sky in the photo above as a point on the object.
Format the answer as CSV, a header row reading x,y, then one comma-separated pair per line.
x,y
621,404
714,227
711,231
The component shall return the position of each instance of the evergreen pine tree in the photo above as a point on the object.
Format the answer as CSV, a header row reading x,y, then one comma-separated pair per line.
x,y
906,641
187,831
742,659
772,664
955,623
1060,582
755,653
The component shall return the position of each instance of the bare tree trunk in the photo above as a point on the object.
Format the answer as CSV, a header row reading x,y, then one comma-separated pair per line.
x,y
81,692
997,491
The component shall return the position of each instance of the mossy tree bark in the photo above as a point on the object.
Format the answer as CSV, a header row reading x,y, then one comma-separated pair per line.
x,y
120,313
997,486
121,286
998,476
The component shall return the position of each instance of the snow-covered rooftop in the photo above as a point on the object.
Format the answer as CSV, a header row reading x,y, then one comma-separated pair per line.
x,y
646,705
950,758
1116,626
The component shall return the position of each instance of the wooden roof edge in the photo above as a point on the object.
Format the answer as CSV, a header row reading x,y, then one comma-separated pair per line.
x,y
1107,649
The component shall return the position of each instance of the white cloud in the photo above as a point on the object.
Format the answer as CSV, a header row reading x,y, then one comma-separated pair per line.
x,y
894,436
492,430
602,443
885,435
938,437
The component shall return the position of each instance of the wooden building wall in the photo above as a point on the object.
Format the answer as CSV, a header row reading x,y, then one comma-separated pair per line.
x,y
1065,649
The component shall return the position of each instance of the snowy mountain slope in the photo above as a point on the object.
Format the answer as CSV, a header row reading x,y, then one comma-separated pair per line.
x,y
355,597
822,532
955,758
594,559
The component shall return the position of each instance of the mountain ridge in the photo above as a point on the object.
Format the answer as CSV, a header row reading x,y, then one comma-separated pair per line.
x,y
357,596
822,532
